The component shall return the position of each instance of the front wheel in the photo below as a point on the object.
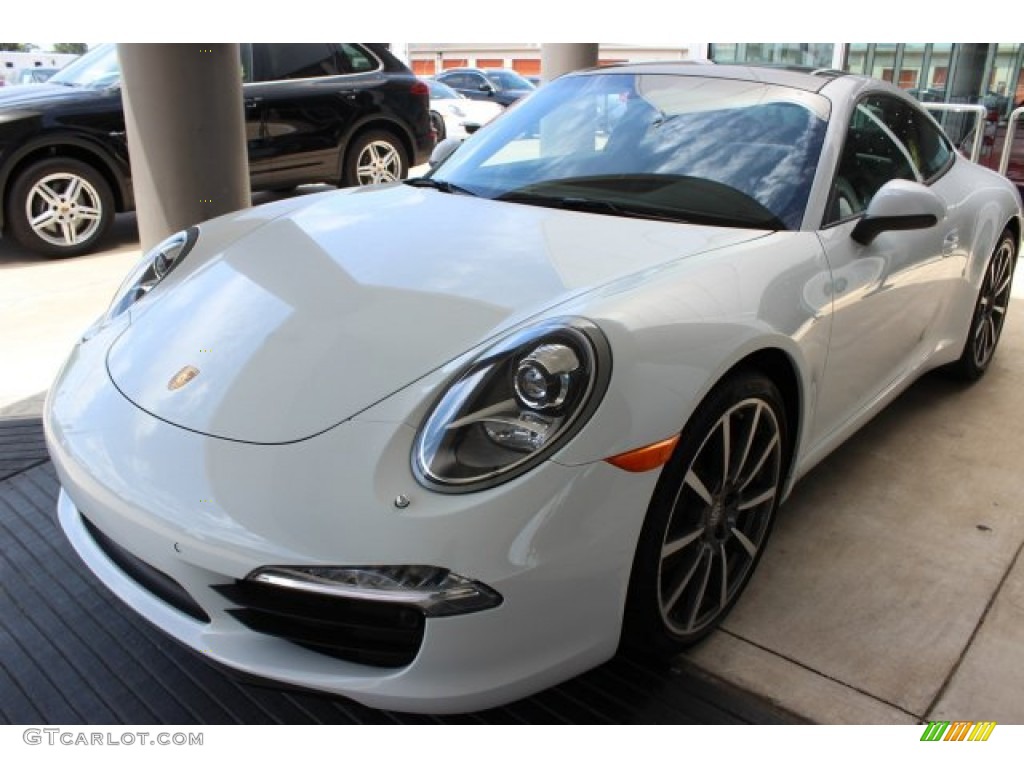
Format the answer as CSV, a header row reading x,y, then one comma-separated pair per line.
x,y
375,157
989,311
60,207
437,123
709,517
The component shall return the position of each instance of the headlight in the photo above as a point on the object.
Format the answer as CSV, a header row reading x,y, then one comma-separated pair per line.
x,y
513,406
151,269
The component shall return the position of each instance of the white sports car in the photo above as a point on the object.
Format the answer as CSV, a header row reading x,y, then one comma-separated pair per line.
x,y
437,445
453,116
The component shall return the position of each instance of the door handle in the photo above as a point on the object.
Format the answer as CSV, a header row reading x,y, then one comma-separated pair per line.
x,y
950,243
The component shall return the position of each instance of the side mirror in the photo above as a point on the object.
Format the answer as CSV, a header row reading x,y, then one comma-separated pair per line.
x,y
899,205
443,151
487,88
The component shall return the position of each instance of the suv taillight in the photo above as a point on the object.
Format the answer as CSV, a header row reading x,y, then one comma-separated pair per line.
x,y
419,88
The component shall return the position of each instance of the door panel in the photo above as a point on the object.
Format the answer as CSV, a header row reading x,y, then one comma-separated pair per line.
x,y
306,107
889,297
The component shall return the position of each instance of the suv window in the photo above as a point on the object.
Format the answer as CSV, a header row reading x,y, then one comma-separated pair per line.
x,y
357,59
294,61
245,52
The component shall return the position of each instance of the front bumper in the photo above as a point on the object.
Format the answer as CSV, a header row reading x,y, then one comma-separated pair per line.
x,y
557,544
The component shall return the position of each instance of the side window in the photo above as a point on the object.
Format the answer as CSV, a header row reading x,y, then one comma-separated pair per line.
x,y
294,61
872,155
456,81
245,50
356,59
924,142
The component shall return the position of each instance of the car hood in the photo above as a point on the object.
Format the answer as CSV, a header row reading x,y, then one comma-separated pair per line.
x,y
481,111
34,97
319,313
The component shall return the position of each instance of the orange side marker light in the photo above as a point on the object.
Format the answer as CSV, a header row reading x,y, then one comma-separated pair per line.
x,y
646,458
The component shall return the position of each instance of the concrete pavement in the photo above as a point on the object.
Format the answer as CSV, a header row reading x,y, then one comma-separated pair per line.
x,y
892,590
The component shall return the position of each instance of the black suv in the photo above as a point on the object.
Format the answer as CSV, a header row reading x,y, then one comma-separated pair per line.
x,y
64,156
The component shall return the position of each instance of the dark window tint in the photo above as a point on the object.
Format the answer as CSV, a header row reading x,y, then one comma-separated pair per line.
x,y
872,155
357,59
925,145
888,138
245,51
292,61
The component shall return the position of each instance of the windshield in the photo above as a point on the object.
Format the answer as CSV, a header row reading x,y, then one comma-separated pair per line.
x,y
683,148
508,80
96,69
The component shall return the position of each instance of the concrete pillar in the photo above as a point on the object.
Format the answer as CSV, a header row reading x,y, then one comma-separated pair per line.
x,y
186,134
966,86
839,51
558,58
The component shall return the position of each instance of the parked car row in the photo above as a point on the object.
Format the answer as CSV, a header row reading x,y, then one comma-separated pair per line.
x,y
64,167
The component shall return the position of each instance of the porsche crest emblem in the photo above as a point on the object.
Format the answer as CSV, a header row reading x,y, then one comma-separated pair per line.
x,y
182,377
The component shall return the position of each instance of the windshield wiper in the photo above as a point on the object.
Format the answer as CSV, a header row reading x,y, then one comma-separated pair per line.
x,y
635,211
590,205
440,185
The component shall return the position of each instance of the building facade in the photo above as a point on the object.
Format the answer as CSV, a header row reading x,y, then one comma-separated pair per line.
x,y
991,74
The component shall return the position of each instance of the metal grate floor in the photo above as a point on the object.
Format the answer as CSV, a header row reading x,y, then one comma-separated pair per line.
x,y
70,652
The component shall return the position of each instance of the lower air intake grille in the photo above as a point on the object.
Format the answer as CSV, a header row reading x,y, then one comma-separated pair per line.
x,y
366,632
148,577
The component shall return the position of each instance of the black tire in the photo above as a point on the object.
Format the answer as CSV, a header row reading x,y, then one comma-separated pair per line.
x,y
708,519
375,157
75,199
437,123
989,311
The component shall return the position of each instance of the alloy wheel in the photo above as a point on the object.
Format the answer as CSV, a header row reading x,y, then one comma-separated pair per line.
x,y
992,304
377,163
720,517
63,209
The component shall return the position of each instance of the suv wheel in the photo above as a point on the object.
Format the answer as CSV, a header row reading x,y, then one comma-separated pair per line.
x,y
60,207
375,157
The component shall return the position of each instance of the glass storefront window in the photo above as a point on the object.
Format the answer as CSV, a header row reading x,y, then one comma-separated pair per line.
x,y
797,54
857,58
883,66
911,64
1003,79
938,68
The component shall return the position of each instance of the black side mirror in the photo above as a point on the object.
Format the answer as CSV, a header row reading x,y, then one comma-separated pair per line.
x,y
899,205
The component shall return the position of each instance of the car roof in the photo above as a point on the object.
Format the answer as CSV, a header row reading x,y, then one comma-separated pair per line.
x,y
804,78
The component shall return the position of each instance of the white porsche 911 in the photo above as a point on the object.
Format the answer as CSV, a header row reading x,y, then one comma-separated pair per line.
x,y
454,116
437,445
